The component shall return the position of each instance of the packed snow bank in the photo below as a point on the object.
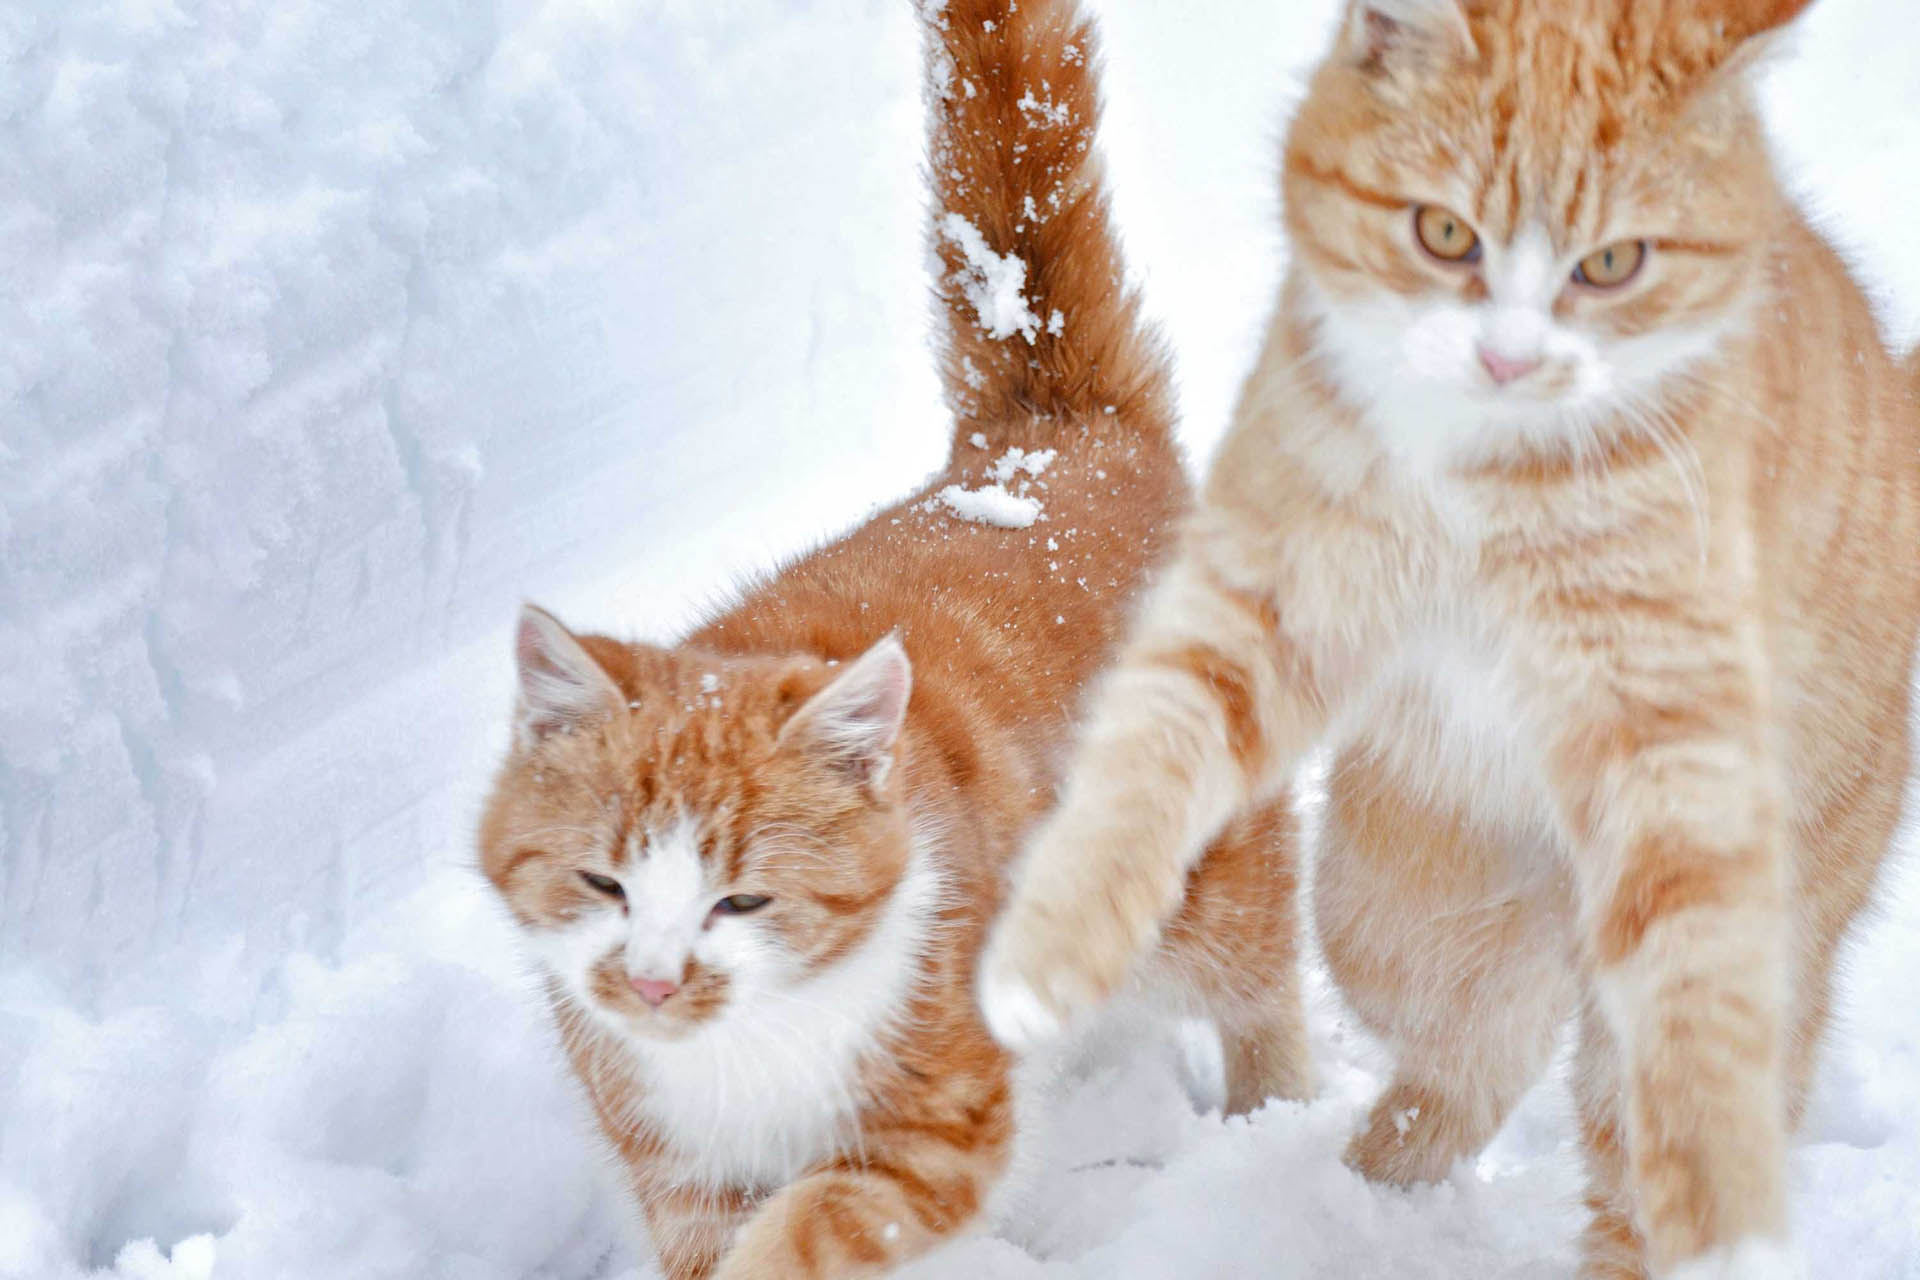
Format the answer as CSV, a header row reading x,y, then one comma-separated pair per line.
x,y
397,1115
337,329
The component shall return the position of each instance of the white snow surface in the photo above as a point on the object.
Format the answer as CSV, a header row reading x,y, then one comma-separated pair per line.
x,y
991,504
336,328
992,283
1017,462
994,503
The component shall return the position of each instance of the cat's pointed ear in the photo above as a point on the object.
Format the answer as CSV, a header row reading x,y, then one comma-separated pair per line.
x,y
1380,34
856,719
561,686
1747,33
1744,19
1741,35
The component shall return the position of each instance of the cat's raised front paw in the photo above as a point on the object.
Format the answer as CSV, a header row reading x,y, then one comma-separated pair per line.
x,y
1751,1259
1037,981
1015,1013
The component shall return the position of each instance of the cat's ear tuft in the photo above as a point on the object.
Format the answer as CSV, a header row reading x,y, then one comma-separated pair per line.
x,y
561,686
856,719
1747,32
1741,36
1744,19
1380,34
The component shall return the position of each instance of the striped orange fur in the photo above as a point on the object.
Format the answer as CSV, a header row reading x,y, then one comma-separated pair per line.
x,y
1606,595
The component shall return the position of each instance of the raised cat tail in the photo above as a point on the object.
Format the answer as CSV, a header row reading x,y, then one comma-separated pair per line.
x,y
1039,334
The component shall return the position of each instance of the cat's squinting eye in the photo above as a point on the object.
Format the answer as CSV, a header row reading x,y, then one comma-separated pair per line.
x,y
604,884
1445,234
740,904
1613,266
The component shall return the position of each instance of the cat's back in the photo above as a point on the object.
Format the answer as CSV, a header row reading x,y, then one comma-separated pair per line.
x,y
1835,496
1836,480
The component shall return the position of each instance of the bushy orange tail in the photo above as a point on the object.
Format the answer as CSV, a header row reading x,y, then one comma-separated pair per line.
x,y
1037,324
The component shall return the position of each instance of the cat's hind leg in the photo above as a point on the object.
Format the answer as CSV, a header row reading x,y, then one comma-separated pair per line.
x,y
1448,938
1611,1248
1232,954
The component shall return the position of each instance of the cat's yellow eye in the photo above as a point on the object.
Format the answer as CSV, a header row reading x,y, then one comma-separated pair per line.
x,y
1445,234
1613,266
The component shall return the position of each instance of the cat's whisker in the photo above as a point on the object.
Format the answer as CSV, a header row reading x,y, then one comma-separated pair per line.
x,y
1656,421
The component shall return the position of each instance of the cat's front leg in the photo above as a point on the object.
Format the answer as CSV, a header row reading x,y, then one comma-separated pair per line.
x,y
865,1214
1675,817
690,1225
1209,703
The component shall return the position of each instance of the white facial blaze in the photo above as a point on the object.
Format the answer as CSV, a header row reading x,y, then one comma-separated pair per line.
x,y
668,898
1527,274
666,922
1522,283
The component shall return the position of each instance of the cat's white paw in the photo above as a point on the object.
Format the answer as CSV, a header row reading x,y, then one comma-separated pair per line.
x,y
1751,1259
1016,1015
1045,971
1034,983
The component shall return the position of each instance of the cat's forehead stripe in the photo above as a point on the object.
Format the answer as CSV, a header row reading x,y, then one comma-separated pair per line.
x,y
624,836
1575,208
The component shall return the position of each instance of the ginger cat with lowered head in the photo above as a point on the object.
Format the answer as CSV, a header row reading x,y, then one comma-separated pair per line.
x,y
755,868
1575,499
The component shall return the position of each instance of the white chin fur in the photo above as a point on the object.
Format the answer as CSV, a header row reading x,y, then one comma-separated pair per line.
x,y
1751,1259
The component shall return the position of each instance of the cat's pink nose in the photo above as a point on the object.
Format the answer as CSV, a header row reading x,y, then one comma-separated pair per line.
x,y
1504,369
653,990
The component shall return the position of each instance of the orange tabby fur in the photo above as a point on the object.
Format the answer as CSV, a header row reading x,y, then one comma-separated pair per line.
x,y
1617,656
832,794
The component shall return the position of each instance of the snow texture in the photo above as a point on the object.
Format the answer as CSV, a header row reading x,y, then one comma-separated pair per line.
x,y
992,283
335,330
1748,1260
995,503
1017,462
991,504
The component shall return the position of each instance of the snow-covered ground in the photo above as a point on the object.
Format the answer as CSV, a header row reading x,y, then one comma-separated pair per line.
x,y
332,329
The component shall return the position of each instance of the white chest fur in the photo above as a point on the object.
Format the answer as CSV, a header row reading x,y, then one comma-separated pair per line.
x,y
1447,711
770,1087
